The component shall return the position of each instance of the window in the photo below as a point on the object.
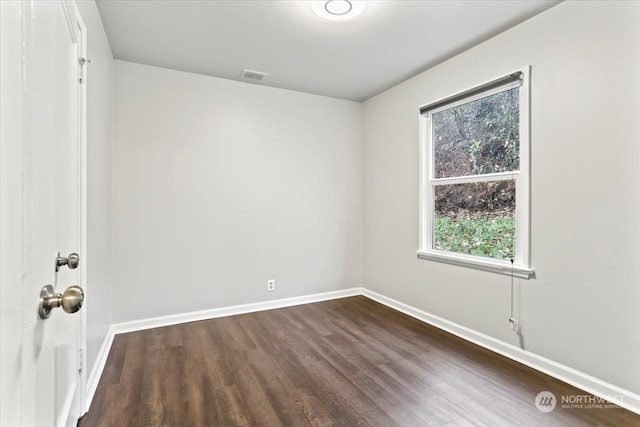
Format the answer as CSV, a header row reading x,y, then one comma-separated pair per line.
x,y
475,177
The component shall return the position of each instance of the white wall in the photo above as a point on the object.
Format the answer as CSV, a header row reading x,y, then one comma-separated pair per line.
x,y
221,185
583,308
100,86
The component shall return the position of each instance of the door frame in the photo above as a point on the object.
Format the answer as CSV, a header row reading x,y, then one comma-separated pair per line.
x,y
74,20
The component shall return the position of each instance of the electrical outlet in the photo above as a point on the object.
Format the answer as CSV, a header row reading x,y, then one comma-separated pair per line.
x,y
271,285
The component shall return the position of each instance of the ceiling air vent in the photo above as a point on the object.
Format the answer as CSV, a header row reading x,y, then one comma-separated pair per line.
x,y
255,76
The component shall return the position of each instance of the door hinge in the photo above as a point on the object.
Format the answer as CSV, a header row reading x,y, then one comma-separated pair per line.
x,y
81,361
82,69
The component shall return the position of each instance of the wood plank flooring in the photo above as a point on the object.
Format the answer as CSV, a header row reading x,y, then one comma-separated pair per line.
x,y
345,362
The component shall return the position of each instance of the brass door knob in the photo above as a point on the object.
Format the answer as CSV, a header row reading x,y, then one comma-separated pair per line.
x,y
70,300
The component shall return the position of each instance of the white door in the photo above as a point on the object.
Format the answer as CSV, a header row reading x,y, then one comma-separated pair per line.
x,y
47,184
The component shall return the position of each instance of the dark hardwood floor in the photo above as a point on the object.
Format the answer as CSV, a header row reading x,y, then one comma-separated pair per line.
x,y
345,362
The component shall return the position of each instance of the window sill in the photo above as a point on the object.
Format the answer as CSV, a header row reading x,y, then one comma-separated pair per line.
x,y
494,266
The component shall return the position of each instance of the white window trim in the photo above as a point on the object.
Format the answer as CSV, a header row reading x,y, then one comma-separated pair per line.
x,y
521,266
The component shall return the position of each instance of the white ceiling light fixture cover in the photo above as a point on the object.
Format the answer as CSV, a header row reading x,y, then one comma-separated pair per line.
x,y
338,10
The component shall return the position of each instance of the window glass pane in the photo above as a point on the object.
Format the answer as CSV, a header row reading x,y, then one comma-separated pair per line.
x,y
476,218
478,137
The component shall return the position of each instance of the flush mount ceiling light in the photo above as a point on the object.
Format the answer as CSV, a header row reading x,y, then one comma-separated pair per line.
x,y
338,10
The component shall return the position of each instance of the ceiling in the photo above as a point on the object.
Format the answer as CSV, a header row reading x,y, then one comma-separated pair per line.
x,y
389,42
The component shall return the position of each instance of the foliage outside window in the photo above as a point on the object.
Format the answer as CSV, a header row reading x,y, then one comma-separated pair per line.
x,y
475,178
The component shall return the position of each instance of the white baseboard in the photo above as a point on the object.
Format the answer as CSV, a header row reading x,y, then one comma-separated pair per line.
x,y
98,368
65,417
612,393
156,322
592,385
